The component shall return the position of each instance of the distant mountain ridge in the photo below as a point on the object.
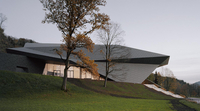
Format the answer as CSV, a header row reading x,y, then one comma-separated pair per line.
x,y
197,83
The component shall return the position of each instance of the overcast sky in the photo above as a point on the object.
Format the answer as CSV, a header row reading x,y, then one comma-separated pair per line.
x,y
170,27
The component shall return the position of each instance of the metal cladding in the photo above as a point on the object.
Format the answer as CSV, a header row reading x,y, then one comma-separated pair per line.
x,y
137,61
46,52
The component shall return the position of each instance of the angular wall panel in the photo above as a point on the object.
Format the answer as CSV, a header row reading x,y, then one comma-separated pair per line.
x,y
127,72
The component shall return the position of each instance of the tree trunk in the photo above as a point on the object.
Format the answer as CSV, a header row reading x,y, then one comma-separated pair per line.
x,y
64,87
64,84
105,82
107,69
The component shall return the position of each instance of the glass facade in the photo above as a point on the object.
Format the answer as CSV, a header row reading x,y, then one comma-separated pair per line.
x,y
73,72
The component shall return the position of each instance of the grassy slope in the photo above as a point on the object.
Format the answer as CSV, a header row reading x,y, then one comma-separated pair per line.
x,y
21,91
126,90
191,104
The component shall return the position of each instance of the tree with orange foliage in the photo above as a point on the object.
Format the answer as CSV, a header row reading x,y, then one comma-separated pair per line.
x,y
71,18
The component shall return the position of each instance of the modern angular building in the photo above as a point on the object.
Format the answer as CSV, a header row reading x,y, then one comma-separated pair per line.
x,y
42,59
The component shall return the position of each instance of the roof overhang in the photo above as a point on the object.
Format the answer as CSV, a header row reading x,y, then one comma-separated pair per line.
x,y
45,52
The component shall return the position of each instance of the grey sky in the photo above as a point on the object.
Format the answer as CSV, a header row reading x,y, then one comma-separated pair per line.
x,y
170,27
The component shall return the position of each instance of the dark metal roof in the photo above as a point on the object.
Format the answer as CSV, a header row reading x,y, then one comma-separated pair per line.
x,y
46,52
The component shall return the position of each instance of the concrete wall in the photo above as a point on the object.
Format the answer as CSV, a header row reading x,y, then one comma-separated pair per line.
x,y
132,73
19,63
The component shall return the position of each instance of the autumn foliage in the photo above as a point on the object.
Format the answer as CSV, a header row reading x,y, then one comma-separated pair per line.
x,y
76,19
174,85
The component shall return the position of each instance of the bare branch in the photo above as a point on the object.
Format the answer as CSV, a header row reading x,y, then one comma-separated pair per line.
x,y
111,38
59,53
3,18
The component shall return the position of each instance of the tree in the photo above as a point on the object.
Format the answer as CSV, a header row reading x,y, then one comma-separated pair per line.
x,y
3,18
185,90
71,18
169,79
198,91
151,77
160,79
156,77
111,38
178,88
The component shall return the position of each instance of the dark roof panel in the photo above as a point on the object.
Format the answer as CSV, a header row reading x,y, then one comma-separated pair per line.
x,y
46,52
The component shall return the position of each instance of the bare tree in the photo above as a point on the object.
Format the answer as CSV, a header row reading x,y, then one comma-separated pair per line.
x,y
3,18
111,36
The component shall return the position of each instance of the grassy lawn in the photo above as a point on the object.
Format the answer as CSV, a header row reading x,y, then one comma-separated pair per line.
x,y
83,102
23,91
191,104
128,90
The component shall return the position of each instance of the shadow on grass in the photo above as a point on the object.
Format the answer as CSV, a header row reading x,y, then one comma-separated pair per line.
x,y
119,89
178,106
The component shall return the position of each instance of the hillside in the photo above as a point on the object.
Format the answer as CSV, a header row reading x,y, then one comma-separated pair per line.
x,y
24,91
25,84
10,42
175,85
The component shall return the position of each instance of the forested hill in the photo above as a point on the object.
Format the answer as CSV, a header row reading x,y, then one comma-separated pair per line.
x,y
10,42
175,85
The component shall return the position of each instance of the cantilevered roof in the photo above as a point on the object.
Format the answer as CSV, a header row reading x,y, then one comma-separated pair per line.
x,y
46,52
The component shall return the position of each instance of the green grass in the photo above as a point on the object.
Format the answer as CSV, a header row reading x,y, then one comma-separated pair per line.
x,y
87,103
122,89
191,104
34,92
